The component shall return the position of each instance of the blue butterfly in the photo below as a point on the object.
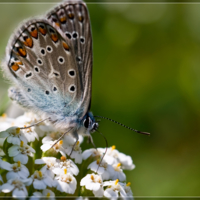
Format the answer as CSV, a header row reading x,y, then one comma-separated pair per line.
x,y
49,62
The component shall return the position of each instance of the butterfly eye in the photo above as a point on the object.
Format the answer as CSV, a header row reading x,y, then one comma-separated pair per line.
x,y
87,122
29,90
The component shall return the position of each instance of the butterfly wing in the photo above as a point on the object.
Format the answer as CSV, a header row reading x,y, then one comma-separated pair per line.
x,y
72,18
41,62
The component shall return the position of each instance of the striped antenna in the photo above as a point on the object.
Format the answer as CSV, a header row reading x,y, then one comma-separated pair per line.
x,y
145,133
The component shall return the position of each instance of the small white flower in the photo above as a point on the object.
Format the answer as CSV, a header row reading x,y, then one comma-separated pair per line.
x,y
45,194
17,170
128,190
65,182
50,164
58,147
93,182
30,134
76,152
41,180
105,170
114,189
21,153
111,155
118,172
65,164
91,152
14,135
17,186
126,161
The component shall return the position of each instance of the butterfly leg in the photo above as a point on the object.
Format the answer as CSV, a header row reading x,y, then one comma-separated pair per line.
x,y
75,135
62,137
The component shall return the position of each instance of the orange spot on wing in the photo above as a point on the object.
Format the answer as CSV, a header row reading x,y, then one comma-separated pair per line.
x,y
66,46
63,19
42,30
54,37
80,18
57,24
22,52
19,63
34,33
71,16
29,42
15,67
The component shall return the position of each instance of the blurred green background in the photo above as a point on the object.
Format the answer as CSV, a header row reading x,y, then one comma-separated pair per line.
x,y
146,74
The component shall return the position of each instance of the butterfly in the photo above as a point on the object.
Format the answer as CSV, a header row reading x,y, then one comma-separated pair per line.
x,y
49,61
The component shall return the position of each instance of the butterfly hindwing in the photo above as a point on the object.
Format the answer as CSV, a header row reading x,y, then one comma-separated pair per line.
x,y
41,63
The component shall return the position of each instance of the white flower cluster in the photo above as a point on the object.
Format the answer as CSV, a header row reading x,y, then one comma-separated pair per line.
x,y
30,167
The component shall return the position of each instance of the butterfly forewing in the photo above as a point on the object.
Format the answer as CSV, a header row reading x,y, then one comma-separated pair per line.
x,y
73,19
42,63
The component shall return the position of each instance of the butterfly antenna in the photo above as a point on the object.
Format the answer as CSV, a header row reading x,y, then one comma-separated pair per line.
x,y
105,150
145,133
34,124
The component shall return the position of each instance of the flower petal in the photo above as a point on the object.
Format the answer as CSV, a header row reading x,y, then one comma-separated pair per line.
x,y
23,158
19,193
7,188
4,134
37,184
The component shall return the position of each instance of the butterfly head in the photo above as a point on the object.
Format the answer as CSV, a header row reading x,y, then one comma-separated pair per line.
x,y
89,122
